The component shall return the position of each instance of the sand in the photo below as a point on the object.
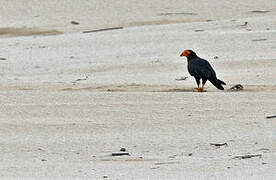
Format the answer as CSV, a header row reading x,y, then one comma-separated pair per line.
x,y
70,99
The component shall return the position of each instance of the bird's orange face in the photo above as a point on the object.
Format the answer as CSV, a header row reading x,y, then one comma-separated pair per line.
x,y
185,53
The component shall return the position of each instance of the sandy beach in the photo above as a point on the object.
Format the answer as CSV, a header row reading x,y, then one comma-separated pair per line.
x,y
82,82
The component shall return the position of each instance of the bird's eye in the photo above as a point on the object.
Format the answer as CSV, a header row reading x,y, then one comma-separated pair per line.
x,y
187,53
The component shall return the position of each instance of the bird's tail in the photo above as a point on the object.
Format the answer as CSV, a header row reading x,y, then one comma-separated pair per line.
x,y
221,82
218,83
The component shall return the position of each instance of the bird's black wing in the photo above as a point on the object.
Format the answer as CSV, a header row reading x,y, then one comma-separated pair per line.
x,y
207,72
202,68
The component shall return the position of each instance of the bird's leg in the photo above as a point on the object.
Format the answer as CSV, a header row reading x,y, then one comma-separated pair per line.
x,y
197,82
201,89
203,83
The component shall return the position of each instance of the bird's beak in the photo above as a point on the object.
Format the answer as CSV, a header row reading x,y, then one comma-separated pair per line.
x,y
185,53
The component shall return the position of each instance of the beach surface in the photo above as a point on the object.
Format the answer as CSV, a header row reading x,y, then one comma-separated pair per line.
x,y
83,83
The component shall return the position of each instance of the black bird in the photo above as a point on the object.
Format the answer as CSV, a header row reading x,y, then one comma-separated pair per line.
x,y
201,69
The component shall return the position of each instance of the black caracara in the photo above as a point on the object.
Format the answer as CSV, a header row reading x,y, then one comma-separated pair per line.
x,y
201,69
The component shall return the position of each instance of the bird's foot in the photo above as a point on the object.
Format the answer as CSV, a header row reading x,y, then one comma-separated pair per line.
x,y
201,90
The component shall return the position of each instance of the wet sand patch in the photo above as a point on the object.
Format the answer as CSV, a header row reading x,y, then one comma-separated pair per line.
x,y
179,13
167,88
27,32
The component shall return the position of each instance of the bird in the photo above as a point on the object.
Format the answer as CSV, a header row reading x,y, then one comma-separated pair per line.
x,y
201,69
